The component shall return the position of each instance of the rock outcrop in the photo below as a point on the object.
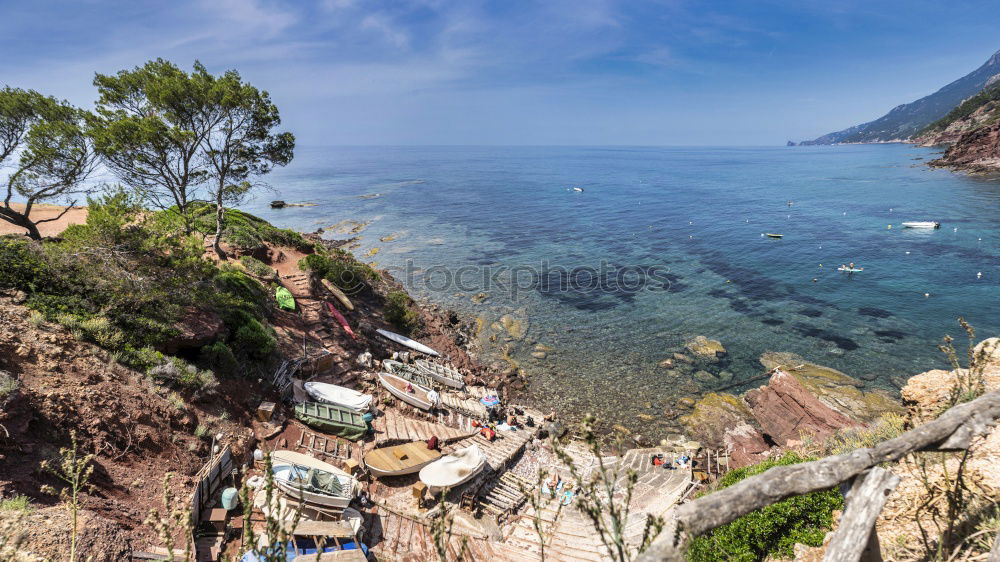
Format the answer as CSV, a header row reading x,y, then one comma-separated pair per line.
x,y
787,411
833,388
976,151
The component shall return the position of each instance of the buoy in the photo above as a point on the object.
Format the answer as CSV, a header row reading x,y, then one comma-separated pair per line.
x,y
845,213
907,252
926,295
890,209
814,279
690,223
789,216
762,234
979,275
889,227
748,220
955,230
821,265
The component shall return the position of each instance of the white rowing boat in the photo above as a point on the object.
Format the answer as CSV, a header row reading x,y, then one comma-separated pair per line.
x,y
444,374
339,396
403,340
400,459
922,224
310,480
409,392
454,469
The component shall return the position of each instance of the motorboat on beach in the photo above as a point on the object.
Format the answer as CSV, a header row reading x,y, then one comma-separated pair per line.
x,y
921,224
339,396
454,469
409,392
311,480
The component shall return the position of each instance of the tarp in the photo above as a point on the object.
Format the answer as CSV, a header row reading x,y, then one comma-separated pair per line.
x,y
284,298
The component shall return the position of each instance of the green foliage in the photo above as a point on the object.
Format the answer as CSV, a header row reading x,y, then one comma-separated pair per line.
x,y
400,313
16,503
246,232
256,267
341,269
45,146
23,266
8,385
250,336
220,358
771,531
888,426
179,373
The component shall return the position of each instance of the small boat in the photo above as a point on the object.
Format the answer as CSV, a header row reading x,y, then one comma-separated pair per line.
x,y
773,235
335,420
454,469
444,374
420,396
578,189
403,340
337,293
310,480
284,298
401,459
339,396
850,269
404,371
277,204
341,320
922,224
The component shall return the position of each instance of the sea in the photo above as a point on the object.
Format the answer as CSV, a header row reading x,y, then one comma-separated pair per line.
x,y
587,267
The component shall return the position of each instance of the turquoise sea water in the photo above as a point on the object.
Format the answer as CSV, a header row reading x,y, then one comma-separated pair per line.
x,y
674,240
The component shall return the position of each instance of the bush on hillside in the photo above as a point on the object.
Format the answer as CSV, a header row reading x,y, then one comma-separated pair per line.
x,y
341,269
770,532
219,357
247,232
400,313
176,372
250,336
256,267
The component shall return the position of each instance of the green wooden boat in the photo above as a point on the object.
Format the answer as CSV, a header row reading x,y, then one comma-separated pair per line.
x,y
284,298
334,420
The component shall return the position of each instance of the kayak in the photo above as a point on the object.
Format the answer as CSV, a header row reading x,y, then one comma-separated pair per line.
x,y
403,340
341,320
772,235
922,224
284,298
338,293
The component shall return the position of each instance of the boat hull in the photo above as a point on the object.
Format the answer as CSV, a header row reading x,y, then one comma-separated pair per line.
x,y
447,376
339,396
395,386
400,459
335,420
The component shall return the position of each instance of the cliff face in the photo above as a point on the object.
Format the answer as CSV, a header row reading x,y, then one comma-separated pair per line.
x,y
906,120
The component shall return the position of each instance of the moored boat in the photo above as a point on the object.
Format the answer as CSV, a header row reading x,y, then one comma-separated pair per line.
x,y
339,396
922,224
311,480
444,374
411,393
335,420
773,235
454,469
850,269
403,340
400,459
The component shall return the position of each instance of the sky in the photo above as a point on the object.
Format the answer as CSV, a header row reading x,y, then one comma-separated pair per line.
x,y
523,72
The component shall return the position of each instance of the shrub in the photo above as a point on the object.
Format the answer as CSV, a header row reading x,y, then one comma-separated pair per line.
x,y
176,372
257,267
8,385
23,266
219,357
251,337
770,532
237,290
399,312
99,330
16,503
888,426
348,274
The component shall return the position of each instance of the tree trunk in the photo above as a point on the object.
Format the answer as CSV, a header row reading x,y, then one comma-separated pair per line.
x,y
22,220
220,212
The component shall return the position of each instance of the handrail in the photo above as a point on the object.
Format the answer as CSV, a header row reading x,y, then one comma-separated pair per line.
x,y
952,431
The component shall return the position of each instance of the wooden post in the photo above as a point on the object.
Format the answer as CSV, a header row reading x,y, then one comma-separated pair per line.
x,y
855,538
350,466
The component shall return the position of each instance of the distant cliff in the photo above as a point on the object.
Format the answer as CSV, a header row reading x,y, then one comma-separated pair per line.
x,y
907,120
971,131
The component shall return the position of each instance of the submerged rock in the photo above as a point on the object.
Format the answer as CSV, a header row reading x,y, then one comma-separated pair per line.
x,y
516,327
705,348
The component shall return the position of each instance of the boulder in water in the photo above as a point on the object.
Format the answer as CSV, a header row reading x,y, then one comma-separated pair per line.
x,y
705,348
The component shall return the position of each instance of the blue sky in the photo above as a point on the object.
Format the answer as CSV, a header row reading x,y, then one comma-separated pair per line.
x,y
669,72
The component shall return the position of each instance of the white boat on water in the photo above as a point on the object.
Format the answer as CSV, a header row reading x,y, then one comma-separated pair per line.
x,y
454,469
403,340
444,374
922,224
339,396
310,480
410,392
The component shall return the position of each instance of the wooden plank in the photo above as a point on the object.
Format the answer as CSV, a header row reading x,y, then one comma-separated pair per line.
x,y
721,507
865,501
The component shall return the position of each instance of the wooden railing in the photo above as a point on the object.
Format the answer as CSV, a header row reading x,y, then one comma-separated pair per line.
x,y
868,486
